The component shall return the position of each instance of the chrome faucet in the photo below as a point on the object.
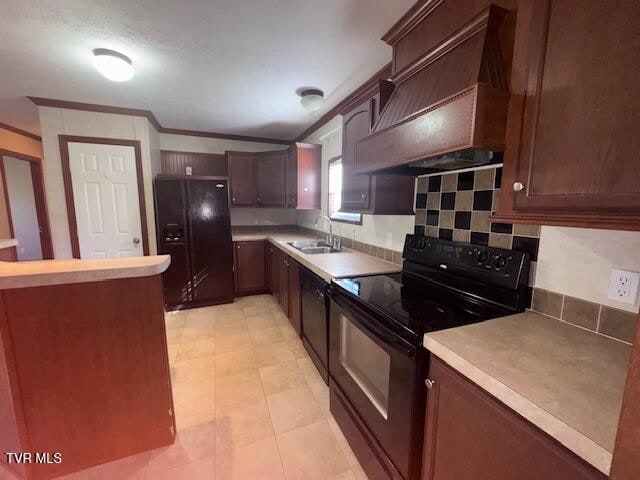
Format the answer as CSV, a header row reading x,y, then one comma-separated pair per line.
x,y
334,242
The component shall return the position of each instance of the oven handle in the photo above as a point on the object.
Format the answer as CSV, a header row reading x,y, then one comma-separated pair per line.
x,y
383,334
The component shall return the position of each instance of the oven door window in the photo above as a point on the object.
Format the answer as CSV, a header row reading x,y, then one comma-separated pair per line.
x,y
368,365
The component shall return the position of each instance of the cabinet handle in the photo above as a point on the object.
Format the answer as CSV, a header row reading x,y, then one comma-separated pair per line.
x,y
429,383
518,186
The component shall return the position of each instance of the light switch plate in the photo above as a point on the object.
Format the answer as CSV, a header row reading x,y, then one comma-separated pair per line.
x,y
623,286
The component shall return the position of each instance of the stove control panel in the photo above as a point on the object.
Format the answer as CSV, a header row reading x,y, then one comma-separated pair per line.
x,y
492,265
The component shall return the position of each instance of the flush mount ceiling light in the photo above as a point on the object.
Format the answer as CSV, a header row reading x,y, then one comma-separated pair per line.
x,y
113,65
312,99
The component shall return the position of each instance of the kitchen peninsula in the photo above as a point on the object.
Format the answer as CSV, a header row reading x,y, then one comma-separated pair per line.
x,y
83,361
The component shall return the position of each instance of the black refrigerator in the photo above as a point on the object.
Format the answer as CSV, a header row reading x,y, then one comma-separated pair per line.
x,y
193,225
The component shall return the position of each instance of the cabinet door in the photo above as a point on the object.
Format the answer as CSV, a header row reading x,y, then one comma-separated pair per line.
x,y
268,262
283,282
250,266
579,105
273,254
242,179
308,171
291,178
355,188
270,173
295,303
470,435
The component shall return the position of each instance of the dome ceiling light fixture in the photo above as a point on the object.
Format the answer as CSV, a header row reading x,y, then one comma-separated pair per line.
x,y
113,65
312,99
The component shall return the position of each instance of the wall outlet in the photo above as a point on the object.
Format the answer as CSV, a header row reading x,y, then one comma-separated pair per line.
x,y
389,239
623,286
189,170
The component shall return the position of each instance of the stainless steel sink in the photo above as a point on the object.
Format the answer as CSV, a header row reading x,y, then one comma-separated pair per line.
x,y
312,250
314,247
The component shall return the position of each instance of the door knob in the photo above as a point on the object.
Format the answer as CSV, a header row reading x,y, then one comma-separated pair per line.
x,y
136,240
429,383
518,186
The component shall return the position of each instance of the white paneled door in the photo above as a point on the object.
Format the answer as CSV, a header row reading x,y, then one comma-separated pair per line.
x,y
105,192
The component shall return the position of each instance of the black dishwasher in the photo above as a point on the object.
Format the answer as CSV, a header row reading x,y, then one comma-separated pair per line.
x,y
315,329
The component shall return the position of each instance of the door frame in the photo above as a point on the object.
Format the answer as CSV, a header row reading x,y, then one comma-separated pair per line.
x,y
42,211
68,185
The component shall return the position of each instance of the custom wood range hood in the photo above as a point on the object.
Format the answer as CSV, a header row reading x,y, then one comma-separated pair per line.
x,y
449,91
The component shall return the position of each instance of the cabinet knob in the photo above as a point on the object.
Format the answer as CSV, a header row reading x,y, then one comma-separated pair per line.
x,y
233,199
518,186
429,383
364,195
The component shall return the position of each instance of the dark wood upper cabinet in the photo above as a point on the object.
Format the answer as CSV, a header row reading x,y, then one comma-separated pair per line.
x,y
250,267
303,176
375,194
494,443
202,164
574,119
242,179
270,178
356,125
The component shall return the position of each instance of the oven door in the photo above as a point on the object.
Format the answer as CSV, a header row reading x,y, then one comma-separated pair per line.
x,y
380,375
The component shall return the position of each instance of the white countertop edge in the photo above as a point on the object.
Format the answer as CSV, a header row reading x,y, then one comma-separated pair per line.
x,y
8,243
572,439
308,263
23,278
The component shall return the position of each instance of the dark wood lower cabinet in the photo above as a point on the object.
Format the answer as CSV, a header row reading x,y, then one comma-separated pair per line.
x,y
469,435
250,267
295,300
271,260
84,372
283,282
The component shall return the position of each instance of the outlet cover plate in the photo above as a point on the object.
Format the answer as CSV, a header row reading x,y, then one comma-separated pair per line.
x,y
623,286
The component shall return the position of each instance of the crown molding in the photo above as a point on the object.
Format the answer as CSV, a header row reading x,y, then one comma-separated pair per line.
x,y
148,114
19,131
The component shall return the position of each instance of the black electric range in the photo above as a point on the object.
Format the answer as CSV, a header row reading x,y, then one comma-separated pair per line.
x,y
377,323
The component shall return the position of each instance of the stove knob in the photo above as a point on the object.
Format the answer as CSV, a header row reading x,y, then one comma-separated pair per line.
x,y
481,257
499,262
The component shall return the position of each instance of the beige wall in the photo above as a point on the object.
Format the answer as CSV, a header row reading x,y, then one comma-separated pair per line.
x,y
386,231
239,216
21,144
578,261
57,121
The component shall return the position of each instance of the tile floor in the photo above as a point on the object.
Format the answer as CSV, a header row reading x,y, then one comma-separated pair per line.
x,y
248,401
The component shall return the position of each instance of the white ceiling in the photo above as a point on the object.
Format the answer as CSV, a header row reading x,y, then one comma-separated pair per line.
x,y
225,66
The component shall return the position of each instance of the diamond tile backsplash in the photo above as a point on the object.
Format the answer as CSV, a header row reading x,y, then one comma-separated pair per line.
x,y
458,206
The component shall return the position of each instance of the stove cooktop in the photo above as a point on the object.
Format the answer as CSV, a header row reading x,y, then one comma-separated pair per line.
x,y
443,285
415,307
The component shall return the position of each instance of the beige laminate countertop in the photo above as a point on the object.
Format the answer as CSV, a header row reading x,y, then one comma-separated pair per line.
x,y
8,242
57,272
567,381
326,265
